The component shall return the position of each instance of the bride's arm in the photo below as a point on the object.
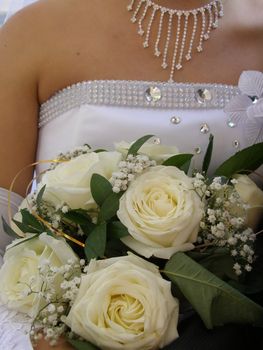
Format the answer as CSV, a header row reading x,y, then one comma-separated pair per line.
x,y
19,59
18,103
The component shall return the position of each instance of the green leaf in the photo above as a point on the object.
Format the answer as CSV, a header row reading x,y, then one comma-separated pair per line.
x,y
245,161
100,188
31,222
216,302
181,161
39,198
82,345
218,261
138,144
110,207
117,230
96,242
78,216
24,228
115,248
9,230
208,154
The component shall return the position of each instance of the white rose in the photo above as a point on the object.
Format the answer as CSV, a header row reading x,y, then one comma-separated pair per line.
x,y
157,152
252,195
21,270
161,212
124,303
70,182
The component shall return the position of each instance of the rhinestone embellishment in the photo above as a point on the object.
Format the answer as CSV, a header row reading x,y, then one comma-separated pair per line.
x,y
198,150
153,94
157,141
175,120
132,93
203,95
204,128
231,124
236,143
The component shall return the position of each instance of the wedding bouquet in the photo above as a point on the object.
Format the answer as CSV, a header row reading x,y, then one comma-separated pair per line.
x,y
110,242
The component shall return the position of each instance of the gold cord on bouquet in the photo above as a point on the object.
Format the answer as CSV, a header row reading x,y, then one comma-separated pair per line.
x,y
46,223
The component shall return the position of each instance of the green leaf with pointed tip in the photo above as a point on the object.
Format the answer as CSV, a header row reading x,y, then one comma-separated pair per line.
x,y
216,302
245,161
82,345
208,154
9,230
138,144
100,188
96,242
24,228
110,207
31,222
181,161
39,198
25,240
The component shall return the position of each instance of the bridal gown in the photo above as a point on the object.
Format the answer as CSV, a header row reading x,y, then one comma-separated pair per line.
x,y
103,112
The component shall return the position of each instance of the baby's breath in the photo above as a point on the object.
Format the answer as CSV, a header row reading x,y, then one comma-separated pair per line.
x,y
49,323
223,224
128,169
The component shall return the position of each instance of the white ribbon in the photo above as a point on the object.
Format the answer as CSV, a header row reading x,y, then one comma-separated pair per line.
x,y
247,108
16,5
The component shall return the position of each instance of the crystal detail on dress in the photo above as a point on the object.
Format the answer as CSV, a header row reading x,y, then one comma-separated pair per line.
x,y
231,124
175,120
236,143
153,94
204,128
198,150
203,95
254,99
157,141
128,93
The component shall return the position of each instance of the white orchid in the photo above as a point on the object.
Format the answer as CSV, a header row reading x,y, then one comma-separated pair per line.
x,y
247,108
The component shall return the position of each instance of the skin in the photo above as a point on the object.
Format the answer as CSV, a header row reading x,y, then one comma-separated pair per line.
x,y
53,44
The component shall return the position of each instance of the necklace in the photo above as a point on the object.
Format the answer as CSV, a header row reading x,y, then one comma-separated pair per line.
x,y
175,28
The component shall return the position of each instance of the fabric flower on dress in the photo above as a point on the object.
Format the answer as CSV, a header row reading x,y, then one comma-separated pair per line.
x,y
247,108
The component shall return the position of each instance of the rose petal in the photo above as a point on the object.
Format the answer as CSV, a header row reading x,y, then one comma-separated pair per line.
x,y
147,251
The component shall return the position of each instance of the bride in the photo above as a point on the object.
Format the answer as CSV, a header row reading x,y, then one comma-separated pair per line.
x,y
78,71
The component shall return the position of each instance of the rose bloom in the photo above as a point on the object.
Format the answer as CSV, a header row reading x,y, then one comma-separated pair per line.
x,y
124,303
252,195
161,212
69,182
20,270
156,152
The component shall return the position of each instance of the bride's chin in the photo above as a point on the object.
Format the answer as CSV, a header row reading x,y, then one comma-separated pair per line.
x,y
44,345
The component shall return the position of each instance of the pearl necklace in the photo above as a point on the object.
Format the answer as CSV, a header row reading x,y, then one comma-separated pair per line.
x,y
177,30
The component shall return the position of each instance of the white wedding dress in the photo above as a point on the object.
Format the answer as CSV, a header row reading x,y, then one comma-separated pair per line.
x,y
103,112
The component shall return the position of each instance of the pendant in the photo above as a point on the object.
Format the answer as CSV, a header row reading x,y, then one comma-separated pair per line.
x,y
175,29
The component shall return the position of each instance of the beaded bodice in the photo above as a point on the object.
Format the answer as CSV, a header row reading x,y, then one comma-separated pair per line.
x,y
137,94
103,112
